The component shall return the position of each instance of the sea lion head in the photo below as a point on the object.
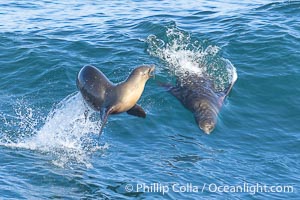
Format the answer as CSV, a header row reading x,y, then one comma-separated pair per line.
x,y
207,125
143,72
206,120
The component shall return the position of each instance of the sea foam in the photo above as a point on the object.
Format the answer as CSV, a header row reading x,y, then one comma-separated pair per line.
x,y
65,133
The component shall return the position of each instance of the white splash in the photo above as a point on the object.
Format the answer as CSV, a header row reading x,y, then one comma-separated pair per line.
x,y
184,55
65,135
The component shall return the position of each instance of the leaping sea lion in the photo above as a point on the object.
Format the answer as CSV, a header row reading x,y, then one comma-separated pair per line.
x,y
108,98
197,94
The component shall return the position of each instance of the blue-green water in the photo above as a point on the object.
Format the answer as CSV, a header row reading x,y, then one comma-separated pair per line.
x,y
47,150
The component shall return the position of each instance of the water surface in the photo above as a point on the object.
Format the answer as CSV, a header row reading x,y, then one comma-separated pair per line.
x,y
48,151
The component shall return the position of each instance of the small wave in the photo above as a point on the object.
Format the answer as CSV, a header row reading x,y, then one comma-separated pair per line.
x,y
65,135
290,6
184,54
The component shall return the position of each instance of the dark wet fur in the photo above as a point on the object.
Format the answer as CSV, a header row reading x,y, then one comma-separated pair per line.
x,y
197,94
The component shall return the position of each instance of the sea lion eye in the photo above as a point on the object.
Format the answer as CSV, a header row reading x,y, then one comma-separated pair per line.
x,y
143,73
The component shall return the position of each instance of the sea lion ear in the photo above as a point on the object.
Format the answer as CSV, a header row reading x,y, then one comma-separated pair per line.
x,y
137,110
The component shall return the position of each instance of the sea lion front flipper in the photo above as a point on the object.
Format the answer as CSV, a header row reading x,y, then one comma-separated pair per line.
x,y
137,110
233,80
86,114
222,95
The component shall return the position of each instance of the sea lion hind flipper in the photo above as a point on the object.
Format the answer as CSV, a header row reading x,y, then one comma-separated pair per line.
x,y
103,122
137,110
104,113
104,118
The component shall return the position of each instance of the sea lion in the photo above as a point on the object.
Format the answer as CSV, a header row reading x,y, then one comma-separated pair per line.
x,y
196,93
108,98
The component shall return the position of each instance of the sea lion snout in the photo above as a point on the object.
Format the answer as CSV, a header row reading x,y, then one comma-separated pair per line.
x,y
144,71
151,71
207,126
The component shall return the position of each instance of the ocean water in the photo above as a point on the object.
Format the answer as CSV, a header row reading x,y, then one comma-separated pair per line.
x,y
49,151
